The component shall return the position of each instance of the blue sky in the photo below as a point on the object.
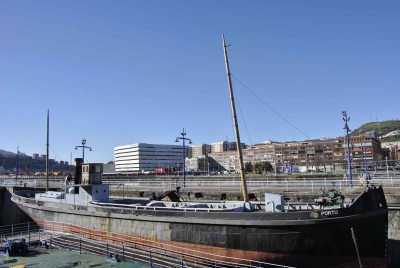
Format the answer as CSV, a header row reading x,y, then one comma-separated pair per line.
x,y
122,72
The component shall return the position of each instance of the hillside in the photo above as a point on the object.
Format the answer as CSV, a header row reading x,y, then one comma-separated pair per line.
x,y
26,164
381,128
6,153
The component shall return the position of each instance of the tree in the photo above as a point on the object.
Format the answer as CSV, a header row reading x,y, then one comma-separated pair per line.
x,y
263,167
321,161
248,167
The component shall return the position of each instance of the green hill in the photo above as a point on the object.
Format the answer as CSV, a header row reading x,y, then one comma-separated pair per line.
x,y
381,129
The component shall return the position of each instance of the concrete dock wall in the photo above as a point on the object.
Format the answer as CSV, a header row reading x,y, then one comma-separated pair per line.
x,y
10,213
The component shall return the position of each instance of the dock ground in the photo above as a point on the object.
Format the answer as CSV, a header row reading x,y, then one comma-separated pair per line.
x,y
57,258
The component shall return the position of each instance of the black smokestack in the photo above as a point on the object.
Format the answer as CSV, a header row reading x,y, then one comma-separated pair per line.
x,y
78,170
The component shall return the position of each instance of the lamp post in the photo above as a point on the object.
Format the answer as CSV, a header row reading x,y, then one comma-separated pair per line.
x,y
387,167
365,157
184,149
346,127
83,148
123,190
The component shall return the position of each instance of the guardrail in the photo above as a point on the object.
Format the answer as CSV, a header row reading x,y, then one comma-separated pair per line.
x,y
30,231
192,257
18,229
128,250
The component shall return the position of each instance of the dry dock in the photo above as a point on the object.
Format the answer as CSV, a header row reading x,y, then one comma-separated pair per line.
x,y
11,214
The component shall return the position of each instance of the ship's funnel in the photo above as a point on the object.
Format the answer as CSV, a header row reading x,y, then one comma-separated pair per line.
x,y
78,170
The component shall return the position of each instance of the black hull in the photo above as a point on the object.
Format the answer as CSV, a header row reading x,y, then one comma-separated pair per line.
x,y
302,239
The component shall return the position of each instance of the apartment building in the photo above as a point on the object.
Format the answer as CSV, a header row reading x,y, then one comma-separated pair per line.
x,y
310,155
200,150
224,146
391,150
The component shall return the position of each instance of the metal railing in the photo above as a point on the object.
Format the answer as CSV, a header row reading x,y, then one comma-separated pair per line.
x,y
139,250
223,184
30,231
188,255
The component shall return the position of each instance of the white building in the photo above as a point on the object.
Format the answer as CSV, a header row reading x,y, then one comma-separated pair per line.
x,y
143,157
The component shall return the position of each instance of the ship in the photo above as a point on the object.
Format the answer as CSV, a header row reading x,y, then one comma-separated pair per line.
x,y
327,233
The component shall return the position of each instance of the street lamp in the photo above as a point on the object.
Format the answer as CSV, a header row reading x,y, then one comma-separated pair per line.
x,y
387,167
123,190
346,127
365,157
184,149
83,149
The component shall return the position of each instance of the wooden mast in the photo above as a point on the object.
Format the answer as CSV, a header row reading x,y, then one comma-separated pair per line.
x,y
47,153
235,124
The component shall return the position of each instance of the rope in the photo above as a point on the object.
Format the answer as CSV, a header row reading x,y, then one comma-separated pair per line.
x,y
270,107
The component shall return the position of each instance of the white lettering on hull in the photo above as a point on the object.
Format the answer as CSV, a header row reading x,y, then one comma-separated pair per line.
x,y
329,212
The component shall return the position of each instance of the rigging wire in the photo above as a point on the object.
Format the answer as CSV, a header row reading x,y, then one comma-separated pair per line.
x,y
270,107
244,121
54,152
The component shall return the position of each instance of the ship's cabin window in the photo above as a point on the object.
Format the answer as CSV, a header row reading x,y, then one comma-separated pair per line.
x,y
98,169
